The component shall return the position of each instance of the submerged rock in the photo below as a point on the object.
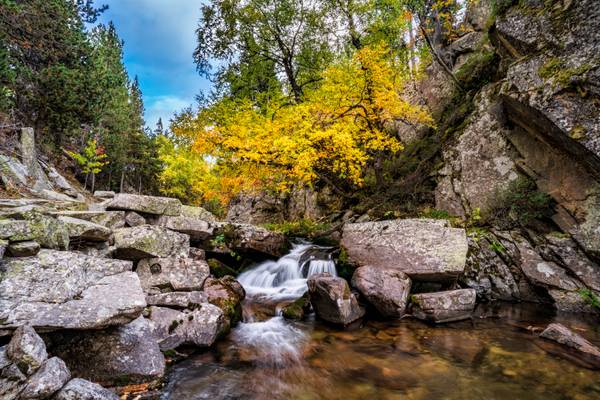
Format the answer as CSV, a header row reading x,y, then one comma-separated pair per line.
x,y
298,309
145,204
148,241
332,299
563,335
200,327
68,290
421,248
120,355
448,306
387,289
172,274
80,389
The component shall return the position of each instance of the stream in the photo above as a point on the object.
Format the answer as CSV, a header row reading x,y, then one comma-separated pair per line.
x,y
494,356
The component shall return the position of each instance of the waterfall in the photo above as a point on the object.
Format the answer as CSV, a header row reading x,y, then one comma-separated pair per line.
x,y
285,278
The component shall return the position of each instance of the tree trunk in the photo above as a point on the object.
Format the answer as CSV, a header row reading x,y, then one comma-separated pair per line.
x,y
86,181
93,182
122,181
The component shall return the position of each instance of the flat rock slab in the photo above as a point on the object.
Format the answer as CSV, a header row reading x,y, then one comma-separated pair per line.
x,y
124,354
104,194
145,204
197,213
148,241
172,274
197,229
80,389
563,335
134,219
386,289
68,290
332,299
108,219
448,306
200,327
421,248
85,230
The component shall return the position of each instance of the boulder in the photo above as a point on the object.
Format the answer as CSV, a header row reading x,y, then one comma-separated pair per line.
x,y
448,306
197,229
197,213
227,294
563,335
68,290
47,380
298,309
200,327
148,242
27,350
188,300
172,274
386,289
421,248
15,230
120,355
29,224
80,389
145,204
134,219
104,194
108,219
3,247
23,249
80,229
332,299
246,238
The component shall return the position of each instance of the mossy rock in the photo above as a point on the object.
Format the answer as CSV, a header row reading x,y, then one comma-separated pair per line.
x,y
220,269
298,309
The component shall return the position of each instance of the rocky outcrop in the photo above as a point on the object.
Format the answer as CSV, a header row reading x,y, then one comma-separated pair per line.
x,y
422,249
148,241
197,229
145,204
80,229
440,307
386,289
200,327
189,300
134,219
248,239
108,219
172,274
26,372
332,299
197,213
121,355
227,294
23,249
67,290
566,337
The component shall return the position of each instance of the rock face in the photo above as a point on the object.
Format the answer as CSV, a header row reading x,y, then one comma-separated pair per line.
x,y
125,354
197,213
67,290
386,289
248,239
145,204
439,307
85,230
563,335
200,327
174,273
423,249
80,389
149,241
189,300
134,219
332,299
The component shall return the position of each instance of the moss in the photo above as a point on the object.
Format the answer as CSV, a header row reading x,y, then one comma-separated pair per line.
x,y
578,132
297,310
219,269
170,353
173,326
304,228
478,69
590,297
556,70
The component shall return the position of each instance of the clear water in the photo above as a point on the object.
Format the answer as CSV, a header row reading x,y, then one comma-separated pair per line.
x,y
495,356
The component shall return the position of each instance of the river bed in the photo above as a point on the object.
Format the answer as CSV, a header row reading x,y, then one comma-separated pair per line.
x,y
496,355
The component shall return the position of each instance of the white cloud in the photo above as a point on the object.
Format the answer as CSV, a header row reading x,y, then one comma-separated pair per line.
x,y
163,107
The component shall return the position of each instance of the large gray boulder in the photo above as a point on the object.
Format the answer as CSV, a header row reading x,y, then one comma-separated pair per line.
x,y
196,228
148,241
30,224
182,300
27,350
197,213
172,274
200,327
227,294
246,238
68,290
80,389
47,380
80,229
332,299
108,219
134,219
448,306
563,335
423,249
145,204
124,354
386,289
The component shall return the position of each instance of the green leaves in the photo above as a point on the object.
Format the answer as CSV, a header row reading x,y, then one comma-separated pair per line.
x,y
91,159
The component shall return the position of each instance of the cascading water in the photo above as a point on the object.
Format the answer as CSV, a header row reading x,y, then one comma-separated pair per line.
x,y
285,278
276,341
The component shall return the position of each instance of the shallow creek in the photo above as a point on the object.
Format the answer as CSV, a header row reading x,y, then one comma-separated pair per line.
x,y
494,356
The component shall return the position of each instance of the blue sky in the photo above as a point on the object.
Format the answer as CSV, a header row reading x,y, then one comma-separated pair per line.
x,y
159,40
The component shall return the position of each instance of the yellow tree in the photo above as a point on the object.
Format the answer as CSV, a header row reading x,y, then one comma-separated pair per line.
x,y
336,132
